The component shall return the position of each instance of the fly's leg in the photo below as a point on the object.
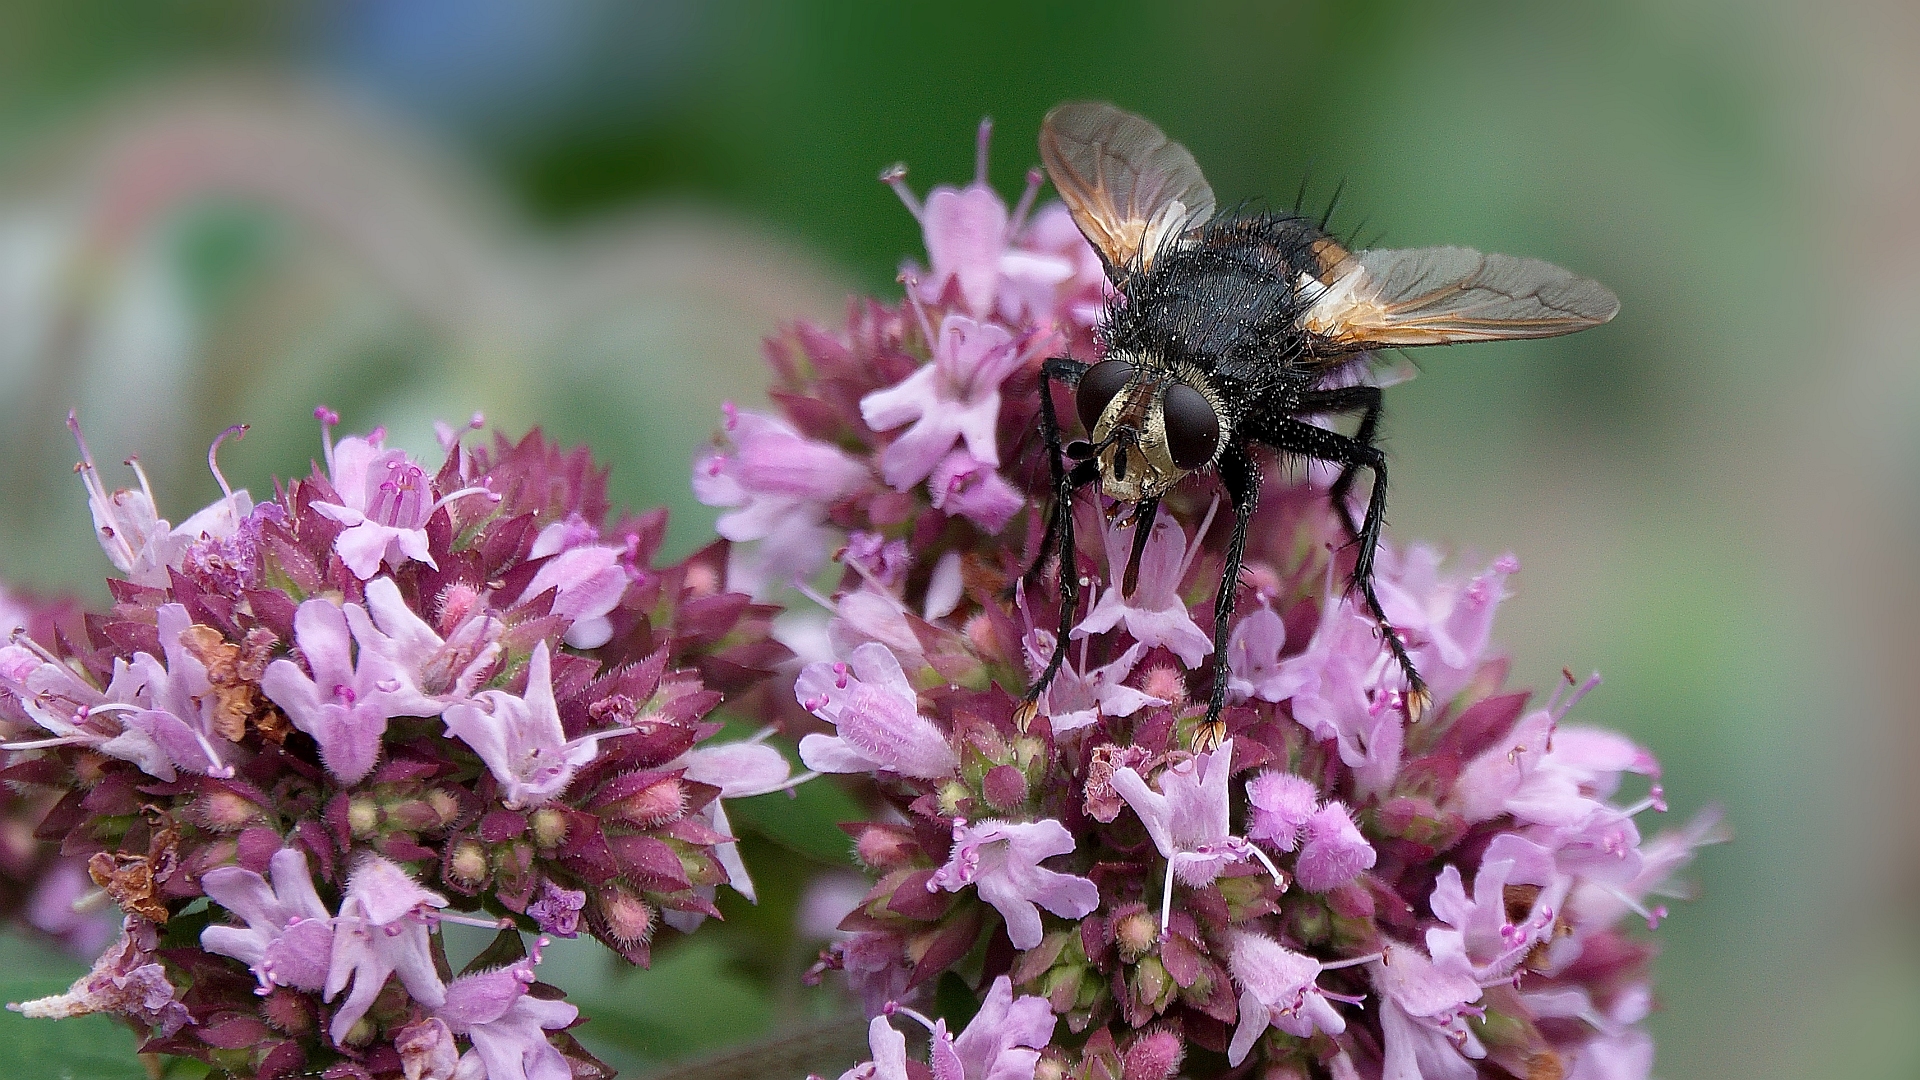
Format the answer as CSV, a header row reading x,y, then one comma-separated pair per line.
x,y
1365,400
1298,437
1059,535
1068,371
1241,476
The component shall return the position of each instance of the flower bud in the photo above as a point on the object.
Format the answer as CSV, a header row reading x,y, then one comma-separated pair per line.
x,y
1156,1056
467,863
1152,986
224,811
363,816
1005,787
955,799
648,803
627,918
885,847
1136,934
549,827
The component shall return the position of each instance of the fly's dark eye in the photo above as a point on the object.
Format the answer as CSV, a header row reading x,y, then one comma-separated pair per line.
x,y
1097,389
1192,429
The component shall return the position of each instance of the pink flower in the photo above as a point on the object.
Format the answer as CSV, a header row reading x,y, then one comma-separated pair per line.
x,y
1423,1005
777,486
1002,860
1345,688
346,703
589,579
889,1050
1253,657
507,1026
521,738
964,485
977,248
158,716
1447,622
1547,774
141,544
1480,932
1335,852
1187,819
876,715
386,500
1002,1042
956,398
1075,700
441,668
557,911
740,770
288,939
381,930
1282,805
1277,988
1155,614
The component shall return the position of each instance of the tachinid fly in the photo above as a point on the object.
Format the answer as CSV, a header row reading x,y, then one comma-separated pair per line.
x,y
1230,331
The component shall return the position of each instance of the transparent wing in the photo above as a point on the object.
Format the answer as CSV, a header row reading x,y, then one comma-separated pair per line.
x,y
1441,295
1130,188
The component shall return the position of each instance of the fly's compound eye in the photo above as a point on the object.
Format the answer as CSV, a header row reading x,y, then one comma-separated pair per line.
x,y
1097,389
1193,431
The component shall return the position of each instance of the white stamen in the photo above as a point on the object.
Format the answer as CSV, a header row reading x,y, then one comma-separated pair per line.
x,y
461,494
1199,535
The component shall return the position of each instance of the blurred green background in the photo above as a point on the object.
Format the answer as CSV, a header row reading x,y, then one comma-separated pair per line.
x,y
584,214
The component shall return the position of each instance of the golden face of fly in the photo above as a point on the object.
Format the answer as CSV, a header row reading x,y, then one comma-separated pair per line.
x,y
1151,424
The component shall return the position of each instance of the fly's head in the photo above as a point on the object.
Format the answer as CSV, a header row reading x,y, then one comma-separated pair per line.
x,y
1151,423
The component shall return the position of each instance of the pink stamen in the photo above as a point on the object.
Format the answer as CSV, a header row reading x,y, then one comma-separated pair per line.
x,y
895,177
919,310
1020,210
238,431
981,142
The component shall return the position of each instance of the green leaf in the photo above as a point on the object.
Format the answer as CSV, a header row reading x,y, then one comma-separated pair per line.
x,y
808,821
690,1002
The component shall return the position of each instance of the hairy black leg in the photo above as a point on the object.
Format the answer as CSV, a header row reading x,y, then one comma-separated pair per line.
x,y
1144,512
1069,573
1068,371
1059,535
1298,437
1241,476
1363,399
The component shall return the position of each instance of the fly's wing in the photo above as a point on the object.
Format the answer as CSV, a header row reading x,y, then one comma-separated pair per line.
x,y
1440,295
1130,188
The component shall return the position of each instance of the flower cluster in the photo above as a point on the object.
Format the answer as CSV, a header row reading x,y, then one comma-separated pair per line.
x,y
313,728
38,885
1329,891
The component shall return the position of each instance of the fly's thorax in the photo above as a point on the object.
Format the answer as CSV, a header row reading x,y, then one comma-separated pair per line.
x,y
1164,421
